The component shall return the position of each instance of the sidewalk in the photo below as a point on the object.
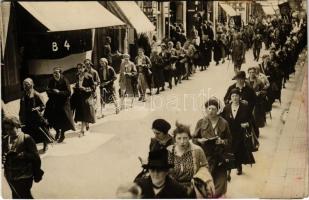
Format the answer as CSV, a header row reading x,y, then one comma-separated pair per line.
x,y
288,177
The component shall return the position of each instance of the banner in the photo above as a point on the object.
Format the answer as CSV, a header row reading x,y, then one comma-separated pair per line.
x,y
55,45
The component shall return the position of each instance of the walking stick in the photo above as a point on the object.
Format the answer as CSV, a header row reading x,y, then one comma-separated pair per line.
x,y
51,139
13,188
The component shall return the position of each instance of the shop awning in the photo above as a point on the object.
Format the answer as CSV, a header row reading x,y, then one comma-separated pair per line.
x,y
269,7
66,16
4,23
130,13
228,9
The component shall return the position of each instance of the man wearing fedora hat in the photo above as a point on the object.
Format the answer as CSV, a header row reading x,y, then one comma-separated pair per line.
x,y
247,94
159,185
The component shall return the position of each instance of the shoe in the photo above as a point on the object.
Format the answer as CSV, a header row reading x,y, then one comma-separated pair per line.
x,y
60,140
239,171
45,147
57,136
140,98
117,111
87,127
158,92
229,178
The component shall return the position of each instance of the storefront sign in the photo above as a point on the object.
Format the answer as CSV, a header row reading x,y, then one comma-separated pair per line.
x,y
58,44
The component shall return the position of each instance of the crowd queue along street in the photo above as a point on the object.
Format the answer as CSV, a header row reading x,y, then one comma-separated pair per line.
x,y
137,100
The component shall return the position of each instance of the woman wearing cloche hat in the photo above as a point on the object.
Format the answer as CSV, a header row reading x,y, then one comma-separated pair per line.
x,y
162,139
213,134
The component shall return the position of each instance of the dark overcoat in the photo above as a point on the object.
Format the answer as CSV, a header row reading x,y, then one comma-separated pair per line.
x,y
206,51
157,68
242,154
217,46
58,109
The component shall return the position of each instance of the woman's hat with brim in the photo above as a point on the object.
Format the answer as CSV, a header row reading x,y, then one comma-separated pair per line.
x,y
158,160
240,75
235,91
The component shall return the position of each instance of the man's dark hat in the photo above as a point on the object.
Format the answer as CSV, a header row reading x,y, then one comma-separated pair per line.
x,y
158,160
161,125
240,75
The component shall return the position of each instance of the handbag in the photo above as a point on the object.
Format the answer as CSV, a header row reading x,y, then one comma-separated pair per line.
x,y
229,161
251,140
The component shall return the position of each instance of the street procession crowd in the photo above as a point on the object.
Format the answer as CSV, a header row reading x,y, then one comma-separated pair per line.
x,y
181,164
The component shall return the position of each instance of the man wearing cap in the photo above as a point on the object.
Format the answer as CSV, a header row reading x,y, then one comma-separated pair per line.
x,y
247,94
159,185
58,108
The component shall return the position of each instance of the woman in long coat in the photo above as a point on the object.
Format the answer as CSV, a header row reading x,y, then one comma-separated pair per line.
x,y
217,45
213,134
239,117
58,109
30,114
180,64
127,73
238,52
157,70
205,50
84,103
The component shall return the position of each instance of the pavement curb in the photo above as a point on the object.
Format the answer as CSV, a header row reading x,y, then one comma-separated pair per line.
x,y
291,156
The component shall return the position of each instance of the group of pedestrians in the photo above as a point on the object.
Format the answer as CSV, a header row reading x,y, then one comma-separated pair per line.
x,y
198,164
181,165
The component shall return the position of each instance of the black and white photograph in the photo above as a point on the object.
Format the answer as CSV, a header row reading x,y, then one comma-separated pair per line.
x,y
154,99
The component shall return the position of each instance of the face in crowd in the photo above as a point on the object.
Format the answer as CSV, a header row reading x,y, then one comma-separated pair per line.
x,y
103,62
28,84
252,73
87,63
158,176
240,81
212,111
158,134
57,74
140,52
182,140
80,68
235,98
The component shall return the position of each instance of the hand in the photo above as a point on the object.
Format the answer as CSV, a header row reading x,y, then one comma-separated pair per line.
x,y
220,141
210,188
143,161
201,140
21,154
244,125
258,93
244,102
56,90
